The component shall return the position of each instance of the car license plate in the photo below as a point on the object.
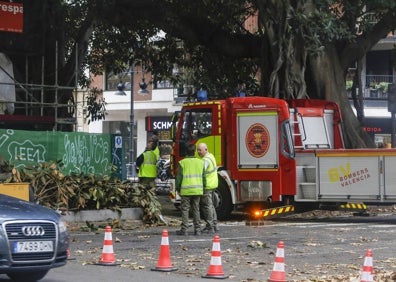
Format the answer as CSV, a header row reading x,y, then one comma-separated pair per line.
x,y
33,246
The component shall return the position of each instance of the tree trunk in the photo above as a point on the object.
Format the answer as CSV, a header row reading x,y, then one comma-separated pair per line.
x,y
328,81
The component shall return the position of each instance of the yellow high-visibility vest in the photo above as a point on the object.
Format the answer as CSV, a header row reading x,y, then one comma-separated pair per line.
x,y
192,182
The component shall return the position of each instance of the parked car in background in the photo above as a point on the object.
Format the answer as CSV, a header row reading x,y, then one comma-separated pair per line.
x,y
33,239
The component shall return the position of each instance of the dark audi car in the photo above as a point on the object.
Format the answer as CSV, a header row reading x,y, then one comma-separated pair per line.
x,y
33,239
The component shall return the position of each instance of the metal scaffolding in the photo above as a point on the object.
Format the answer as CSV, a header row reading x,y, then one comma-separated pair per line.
x,y
34,107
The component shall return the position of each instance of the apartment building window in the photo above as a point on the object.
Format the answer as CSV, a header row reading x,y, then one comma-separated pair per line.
x,y
163,84
112,80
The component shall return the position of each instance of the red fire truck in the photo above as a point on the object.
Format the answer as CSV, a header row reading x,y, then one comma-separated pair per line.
x,y
275,156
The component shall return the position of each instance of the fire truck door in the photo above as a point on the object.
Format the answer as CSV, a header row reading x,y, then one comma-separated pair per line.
x,y
257,140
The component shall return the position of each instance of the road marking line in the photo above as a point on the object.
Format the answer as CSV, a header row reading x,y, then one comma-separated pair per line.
x,y
211,239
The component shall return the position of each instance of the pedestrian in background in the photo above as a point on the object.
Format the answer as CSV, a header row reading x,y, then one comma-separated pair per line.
x,y
190,182
212,181
147,164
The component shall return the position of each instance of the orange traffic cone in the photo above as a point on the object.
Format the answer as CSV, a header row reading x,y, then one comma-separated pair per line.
x,y
164,261
278,272
367,273
108,257
215,268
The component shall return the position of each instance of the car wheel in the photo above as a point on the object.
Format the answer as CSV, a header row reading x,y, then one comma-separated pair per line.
x,y
30,276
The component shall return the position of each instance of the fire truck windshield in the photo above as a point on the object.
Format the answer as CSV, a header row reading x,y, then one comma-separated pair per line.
x,y
195,125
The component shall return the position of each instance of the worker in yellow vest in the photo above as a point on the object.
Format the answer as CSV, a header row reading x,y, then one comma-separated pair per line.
x,y
147,164
212,181
190,182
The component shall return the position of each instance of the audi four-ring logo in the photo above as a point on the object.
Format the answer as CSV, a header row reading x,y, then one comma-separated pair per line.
x,y
33,231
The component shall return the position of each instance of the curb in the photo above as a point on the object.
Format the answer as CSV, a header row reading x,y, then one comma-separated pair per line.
x,y
103,215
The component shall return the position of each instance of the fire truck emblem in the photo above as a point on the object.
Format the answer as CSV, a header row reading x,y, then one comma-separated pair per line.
x,y
257,140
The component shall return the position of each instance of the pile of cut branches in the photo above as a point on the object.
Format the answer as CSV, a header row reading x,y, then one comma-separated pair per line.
x,y
77,192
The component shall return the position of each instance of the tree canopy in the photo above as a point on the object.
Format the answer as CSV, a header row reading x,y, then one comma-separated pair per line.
x,y
293,49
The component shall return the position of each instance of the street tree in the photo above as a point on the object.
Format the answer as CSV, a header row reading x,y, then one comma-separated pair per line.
x,y
293,49
302,49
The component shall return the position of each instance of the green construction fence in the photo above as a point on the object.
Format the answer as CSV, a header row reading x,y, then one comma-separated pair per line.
x,y
88,153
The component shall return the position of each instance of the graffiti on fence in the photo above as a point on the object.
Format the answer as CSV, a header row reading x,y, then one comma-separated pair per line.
x,y
79,152
85,154
26,151
19,151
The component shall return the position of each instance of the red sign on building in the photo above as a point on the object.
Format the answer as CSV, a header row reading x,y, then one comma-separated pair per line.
x,y
11,17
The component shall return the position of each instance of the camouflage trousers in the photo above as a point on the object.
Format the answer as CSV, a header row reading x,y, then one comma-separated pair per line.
x,y
208,209
187,203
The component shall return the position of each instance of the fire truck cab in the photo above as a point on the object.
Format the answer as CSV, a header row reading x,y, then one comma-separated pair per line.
x,y
271,152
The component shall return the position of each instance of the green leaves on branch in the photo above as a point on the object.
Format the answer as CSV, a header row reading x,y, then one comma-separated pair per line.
x,y
147,200
96,105
77,192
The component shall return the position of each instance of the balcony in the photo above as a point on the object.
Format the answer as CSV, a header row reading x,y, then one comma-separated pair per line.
x,y
376,86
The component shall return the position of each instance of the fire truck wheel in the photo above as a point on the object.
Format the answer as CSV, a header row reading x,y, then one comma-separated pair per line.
x,y
225,206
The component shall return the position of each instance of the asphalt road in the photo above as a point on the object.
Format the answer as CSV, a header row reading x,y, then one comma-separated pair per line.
x,y
321,247
316,247
313,250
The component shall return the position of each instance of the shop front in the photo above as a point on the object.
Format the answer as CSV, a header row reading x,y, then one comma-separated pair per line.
x,y
380,129
161,126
